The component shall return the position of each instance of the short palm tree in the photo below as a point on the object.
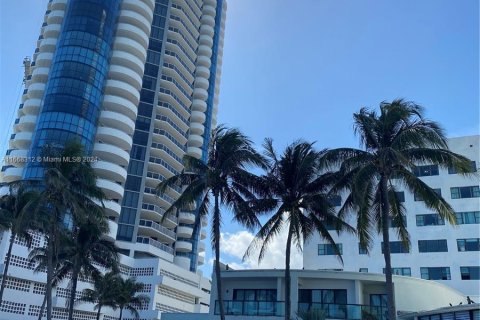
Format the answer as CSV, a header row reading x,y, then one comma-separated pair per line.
x,y
127,297
17,214
224,177
68,187
298,196
393,142
103,293
86,251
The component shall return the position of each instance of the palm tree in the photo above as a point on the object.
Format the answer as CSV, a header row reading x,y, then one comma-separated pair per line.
x,y
104,292
298,195
69,187
17,214
87,249
127,297
224,177
393,143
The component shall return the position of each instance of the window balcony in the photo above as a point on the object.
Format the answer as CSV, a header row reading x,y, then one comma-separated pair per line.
x,y
252,308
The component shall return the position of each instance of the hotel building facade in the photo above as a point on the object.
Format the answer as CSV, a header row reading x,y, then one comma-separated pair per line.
x,y
137,82
439,251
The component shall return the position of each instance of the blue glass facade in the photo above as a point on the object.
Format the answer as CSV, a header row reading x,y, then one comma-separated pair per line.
x,y
73,94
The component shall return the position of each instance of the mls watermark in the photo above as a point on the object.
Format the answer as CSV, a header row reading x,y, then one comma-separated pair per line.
x,y
46,159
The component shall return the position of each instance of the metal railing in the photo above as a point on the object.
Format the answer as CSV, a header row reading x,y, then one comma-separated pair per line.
x,y
345,311
158,227
156,244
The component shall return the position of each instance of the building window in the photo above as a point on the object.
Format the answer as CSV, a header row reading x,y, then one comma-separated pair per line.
x,y
424,171
473,168
401,271
329,249
322,296
397,247
417,197
435,273
472,244
394,224
361,250
432,245
400,196
255,294
378,300
465,192
471,217
433,219
335,201
470,273
363,270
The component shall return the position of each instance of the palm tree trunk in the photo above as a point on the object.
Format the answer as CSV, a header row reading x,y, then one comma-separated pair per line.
x,y
121,311
386,248
98,312
50,248
7,263
216,228
73,292
288,306
42,309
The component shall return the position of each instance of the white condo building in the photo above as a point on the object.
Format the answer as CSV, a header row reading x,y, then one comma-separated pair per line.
x,y
439,251
137,82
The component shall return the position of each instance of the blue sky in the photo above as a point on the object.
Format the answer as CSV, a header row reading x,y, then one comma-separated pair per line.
x,y
299,69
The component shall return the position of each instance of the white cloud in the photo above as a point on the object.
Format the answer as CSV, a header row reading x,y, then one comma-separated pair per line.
x,y
234,245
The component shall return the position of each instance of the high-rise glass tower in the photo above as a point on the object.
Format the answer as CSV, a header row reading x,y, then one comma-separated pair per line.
x,y
137,82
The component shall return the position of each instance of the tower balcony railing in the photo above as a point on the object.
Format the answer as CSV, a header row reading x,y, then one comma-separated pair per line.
x,y
344,311
156,244
252,308
158,227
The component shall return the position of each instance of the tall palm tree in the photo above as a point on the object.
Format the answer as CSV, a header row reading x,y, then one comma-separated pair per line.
x,y
298,196
69,187
17,214
87,250
393,142
224,177
127,297
103,294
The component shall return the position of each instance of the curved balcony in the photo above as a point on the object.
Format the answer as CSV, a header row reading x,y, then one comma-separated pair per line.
x,y
26,123
32,106
182,262
212,3
130,46
124,74
139,7
111,153
195,140
201,246
183,246
111,189
47,45
18,153
55,17
201,82
44,59
208,20
206,29
122,89
199,105
204,61
120,105
205,40
204,50
112,232
153,229
155,243
110,171
201,260
112,208
128,60
133,32
194,152
197,116
40,74
117,120
52,30
197,128
20,140
203,234
204,221
115,137
154,212
184,231
58,4
202,72
199,93
36,90
12,174
186,217
135,19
